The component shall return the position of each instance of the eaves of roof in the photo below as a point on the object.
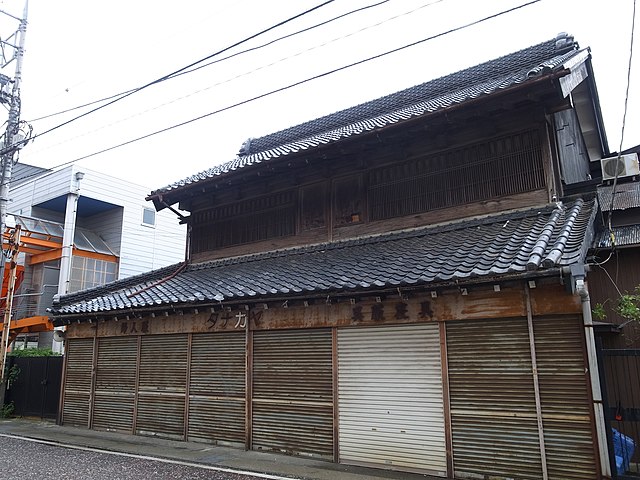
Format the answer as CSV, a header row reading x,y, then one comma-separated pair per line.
x,y
503,74
523,243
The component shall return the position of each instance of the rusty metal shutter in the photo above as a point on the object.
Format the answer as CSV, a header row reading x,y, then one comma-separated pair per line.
x,y
77,382
390,402
292,401
493,410
162,386
217,388
564,395
115,384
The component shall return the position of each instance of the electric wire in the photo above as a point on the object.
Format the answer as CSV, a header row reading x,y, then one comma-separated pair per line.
x,y
298,83
238,76
191,70
165,77
624,118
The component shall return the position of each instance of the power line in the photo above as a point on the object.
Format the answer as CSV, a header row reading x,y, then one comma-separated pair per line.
x,y
624,120
300,82
357,10
240,75
176,72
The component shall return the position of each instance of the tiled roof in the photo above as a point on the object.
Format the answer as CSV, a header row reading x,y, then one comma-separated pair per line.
x,y
623,236
627,195
492,246
430,97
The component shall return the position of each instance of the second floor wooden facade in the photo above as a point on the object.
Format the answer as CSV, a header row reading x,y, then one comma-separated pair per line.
x,y
513,148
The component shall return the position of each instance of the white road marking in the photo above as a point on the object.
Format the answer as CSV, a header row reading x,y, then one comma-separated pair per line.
x,y
146,457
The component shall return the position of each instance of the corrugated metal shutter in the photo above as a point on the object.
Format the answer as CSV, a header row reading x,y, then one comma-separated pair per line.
x,y
493,410
566,417
217,388
292,401
162,386
115,384
391,411
77,382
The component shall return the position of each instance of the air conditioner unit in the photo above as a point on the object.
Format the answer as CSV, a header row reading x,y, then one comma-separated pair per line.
x,y
625,166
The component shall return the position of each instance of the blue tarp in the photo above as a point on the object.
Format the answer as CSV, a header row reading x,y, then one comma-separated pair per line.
x,y
623,448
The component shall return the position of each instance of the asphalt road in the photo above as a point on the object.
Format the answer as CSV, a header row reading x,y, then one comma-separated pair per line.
x,y
27,459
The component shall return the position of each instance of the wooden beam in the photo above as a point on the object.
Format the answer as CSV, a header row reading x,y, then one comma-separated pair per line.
x,y
41,323
57,253
46,256
98,256
31,250
40,242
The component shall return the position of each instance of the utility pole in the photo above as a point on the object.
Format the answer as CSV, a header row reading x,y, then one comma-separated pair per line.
x,y
12,142
12,138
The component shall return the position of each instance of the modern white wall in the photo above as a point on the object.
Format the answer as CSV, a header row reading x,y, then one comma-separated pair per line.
x,y
141,248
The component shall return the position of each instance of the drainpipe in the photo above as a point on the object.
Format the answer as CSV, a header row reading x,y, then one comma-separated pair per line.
x,y
581,289
70,213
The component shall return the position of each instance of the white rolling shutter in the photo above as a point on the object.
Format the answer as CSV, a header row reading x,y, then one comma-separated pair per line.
x,y
391,410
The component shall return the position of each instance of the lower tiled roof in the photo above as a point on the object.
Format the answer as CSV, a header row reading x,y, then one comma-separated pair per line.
x,y
506,244
622,237
626,195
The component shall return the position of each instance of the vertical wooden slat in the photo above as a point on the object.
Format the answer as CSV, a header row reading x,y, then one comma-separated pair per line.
x,y
336,413
60,417
114,391
217,388
249,389
445,399
493,413
292,404
162,386
187,385
564,396
137,387
94,368
536,386
78,382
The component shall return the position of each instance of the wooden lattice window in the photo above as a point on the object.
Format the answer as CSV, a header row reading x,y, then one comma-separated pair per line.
x,y
247,221
497,168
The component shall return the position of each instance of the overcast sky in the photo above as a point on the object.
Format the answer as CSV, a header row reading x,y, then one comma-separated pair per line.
x,y
78,51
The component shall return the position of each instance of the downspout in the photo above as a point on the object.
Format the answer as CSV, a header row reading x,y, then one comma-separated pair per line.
x,y
581,289
70,214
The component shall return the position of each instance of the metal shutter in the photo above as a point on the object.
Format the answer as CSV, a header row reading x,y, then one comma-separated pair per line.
x,y
566,406
77,382
390,400
493,411
115,384
162,386
217,388
292,403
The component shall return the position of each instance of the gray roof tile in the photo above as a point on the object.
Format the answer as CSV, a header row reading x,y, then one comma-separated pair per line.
x,y
481,80
483,247
627,195
624,237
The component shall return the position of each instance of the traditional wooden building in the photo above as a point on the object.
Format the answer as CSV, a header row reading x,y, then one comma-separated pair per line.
x,y
398,285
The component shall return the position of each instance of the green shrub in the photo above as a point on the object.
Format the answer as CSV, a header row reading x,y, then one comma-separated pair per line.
x,y
7,410
33,352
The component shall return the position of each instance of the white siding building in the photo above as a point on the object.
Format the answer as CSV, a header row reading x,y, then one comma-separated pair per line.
x,y
99,229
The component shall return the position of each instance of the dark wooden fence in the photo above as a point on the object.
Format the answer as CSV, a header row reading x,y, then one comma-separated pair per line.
x,y
36,389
